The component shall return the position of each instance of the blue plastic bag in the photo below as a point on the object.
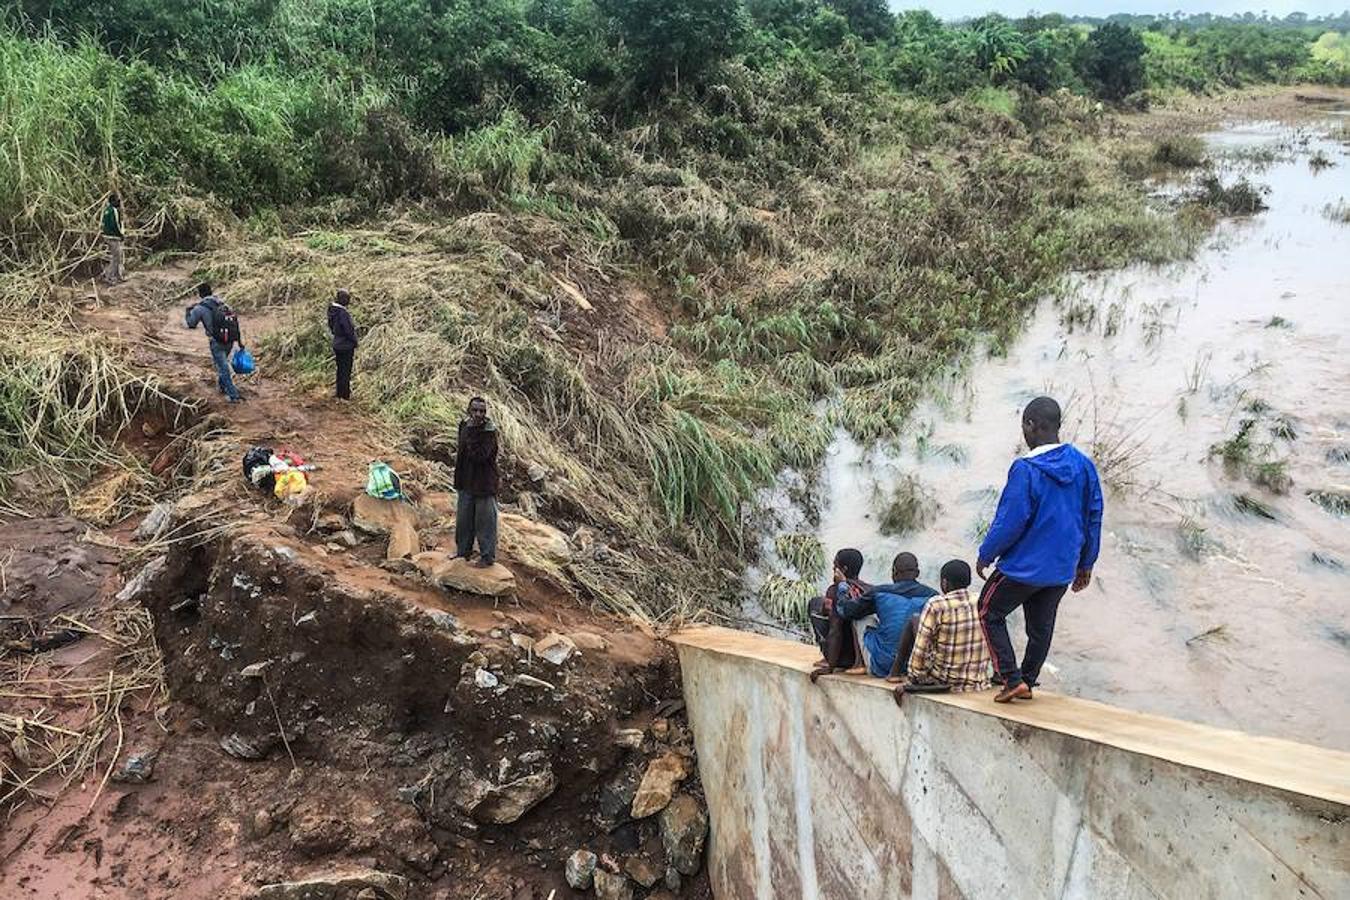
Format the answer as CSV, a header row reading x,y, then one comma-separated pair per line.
x,y
242,362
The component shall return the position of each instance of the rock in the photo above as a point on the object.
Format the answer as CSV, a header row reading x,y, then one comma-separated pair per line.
x,y
255,670
616,796
531,682
145,582
629,738
673,881
642,870
138,768
660,728
580,870
367,894
612,887
392,517
528,505
260,826
583,539
459,575
241,747
398,566
330,521
537,473
443,620
554,647
522,641
155,523
346,538
684,827
437,506
503,804
317,831
586,640
341,884
658,784
537,536
485,679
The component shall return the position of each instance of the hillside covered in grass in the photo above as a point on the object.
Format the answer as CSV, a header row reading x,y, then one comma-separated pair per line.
x,y
656,233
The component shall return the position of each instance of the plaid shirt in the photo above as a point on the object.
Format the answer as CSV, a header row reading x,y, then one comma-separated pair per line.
x,y
950,645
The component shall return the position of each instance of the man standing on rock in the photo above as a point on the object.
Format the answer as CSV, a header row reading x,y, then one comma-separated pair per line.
x,y
222,331
1045,535
476,485
344,342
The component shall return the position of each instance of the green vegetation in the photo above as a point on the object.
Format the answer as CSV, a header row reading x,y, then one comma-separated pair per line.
x,y
1243,454
654,232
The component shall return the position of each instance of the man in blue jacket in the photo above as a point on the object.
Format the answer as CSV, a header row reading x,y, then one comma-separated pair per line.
x,y
894,605
1045,536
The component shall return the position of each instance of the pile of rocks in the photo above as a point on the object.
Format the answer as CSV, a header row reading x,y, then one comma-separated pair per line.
x,y
656,796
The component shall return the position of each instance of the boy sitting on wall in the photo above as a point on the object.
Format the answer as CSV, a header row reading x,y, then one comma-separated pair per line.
x,y
833,633
949,652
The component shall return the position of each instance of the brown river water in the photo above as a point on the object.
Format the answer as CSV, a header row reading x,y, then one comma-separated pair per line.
x,y
1199,609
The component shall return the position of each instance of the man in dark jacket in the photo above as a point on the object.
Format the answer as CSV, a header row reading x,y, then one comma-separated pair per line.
x,y
893,606
111,226
1046,534
344,342
476,480
209,313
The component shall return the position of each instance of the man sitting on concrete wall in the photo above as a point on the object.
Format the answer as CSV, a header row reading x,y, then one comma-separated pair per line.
x,y
882,613
949,652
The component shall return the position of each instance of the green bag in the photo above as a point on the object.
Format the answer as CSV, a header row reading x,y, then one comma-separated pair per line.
x,y
383,482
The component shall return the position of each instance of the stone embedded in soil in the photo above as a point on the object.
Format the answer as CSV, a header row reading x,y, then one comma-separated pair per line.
x,y
485,679
392,517
554,647
609,886
658,784
154,524
587,640
249,748
531,682
340,884
503,804
145,582
684,827
642,870
260,826
629,738
673,881
580,870
137,768
460,575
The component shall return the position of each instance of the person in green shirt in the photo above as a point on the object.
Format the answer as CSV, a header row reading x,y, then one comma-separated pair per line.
x,y
112,234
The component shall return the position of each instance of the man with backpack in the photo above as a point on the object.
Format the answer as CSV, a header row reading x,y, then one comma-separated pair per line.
x,y
222,331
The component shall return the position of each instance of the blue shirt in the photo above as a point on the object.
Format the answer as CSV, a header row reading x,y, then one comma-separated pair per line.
x,y
893,605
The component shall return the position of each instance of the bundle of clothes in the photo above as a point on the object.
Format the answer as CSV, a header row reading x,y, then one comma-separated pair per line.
x,y
282,473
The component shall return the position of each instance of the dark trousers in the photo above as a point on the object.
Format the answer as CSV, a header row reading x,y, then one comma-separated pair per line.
x,y
476,519
1002,595
344,372
908,636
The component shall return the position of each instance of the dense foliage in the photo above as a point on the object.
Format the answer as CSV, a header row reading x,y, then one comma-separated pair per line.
x,y
825,199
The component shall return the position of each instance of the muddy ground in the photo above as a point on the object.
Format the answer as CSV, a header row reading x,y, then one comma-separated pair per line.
x,y
243,694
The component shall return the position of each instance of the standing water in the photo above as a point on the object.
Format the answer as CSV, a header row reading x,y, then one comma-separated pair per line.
x,y
1215,396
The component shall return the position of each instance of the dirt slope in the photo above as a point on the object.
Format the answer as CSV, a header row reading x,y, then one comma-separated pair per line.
x,y
304,706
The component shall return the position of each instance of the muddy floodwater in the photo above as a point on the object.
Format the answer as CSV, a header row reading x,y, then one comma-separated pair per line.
x,y
1223,590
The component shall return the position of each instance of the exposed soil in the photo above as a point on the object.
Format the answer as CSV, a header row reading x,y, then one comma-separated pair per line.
x,y
320,707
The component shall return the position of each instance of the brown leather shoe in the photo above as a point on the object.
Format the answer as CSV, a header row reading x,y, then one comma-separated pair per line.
x,y
1019,691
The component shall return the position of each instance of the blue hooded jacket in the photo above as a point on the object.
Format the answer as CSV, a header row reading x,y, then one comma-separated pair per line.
x,y
893,605
1049,519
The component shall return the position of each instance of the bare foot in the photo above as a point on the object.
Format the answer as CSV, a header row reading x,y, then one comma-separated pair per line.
x,y
856,670
895,679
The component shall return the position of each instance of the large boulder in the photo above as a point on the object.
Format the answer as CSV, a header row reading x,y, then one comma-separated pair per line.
x,y
340,884
459,575
658,784
526,534
392,517
684,827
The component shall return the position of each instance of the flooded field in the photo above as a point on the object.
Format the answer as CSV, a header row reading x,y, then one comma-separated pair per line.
x,y
1215,396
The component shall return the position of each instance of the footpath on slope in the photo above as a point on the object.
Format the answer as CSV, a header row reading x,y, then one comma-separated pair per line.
x,y
249,699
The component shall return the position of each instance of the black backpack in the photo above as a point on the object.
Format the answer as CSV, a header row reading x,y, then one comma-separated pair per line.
x,y
225,328
259,458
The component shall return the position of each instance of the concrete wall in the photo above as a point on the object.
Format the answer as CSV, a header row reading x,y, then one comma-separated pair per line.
x,y
830,791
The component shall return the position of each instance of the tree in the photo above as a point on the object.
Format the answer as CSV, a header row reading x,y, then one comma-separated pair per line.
x,y
1113,61
677,39
996,45
869,19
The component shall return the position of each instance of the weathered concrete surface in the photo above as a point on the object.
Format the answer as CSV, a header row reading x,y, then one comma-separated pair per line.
x,y
831,791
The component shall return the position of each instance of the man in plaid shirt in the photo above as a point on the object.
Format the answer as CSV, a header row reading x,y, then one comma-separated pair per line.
x,y
949,652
